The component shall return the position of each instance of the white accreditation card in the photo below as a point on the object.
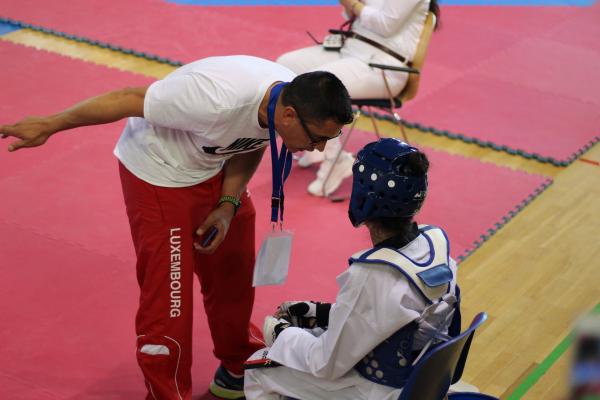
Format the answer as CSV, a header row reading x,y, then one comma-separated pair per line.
x,y
273,260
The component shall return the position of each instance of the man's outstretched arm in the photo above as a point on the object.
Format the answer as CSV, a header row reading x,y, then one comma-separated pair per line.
x,y
109,107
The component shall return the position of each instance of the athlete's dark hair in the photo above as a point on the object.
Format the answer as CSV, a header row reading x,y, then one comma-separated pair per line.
x,y
318,96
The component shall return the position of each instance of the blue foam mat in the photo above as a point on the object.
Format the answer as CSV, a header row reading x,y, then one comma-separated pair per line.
x,y
7,28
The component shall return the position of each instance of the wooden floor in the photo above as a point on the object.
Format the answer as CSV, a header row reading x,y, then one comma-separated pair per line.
x,y
534,277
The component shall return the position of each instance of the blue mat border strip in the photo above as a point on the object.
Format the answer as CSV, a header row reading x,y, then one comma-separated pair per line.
x,y
7,28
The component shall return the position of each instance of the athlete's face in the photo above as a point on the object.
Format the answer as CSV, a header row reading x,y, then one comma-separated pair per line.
x,y
299,134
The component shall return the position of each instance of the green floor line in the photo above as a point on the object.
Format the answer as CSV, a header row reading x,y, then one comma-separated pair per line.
x,y
535,375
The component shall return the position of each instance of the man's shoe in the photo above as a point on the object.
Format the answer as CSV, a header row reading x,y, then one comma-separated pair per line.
x,y
226,386
310,157
341,170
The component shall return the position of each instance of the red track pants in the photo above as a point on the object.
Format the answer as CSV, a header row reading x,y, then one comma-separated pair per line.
x,y
163,222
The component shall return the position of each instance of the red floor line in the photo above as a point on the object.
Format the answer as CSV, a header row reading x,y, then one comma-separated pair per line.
x,y
593,162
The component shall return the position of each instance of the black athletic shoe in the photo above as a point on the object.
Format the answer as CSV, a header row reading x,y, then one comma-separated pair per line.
x,y
226,386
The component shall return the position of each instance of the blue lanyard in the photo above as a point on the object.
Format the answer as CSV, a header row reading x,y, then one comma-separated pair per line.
x,y
282,164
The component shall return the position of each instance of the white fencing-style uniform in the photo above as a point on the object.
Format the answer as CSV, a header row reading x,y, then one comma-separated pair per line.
x,y
390,303
394,24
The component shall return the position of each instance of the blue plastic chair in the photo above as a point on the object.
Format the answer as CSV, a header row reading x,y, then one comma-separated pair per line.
x,y
441,367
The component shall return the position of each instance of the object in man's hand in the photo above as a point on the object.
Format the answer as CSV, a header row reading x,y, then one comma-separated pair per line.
x,y
208,237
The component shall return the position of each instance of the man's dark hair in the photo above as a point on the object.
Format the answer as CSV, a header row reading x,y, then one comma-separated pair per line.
x,y
318,96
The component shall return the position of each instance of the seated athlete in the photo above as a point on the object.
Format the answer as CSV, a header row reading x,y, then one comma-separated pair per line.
x,y
396,300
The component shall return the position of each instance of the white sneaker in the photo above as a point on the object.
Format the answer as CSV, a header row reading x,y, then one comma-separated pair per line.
x,y
310,157
341,170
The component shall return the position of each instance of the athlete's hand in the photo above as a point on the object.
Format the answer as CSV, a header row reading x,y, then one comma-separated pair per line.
x,y
31,132
304,314
220,218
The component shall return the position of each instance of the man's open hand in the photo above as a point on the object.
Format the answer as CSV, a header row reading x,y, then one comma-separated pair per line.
x,y
30,132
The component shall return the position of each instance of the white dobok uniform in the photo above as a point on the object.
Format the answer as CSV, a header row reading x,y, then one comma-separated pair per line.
x,y
382,291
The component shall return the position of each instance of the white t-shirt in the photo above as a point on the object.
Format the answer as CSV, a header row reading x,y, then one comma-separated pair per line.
x,y
196,118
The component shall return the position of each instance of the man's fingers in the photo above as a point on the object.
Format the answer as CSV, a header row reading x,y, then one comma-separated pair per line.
x,y
8,130
212,246
204,226
217,220
16,145
3,131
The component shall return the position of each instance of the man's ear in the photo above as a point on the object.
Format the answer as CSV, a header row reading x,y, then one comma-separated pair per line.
x,y
289,111
288,115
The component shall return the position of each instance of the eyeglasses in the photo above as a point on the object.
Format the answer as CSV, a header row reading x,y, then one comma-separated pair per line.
x,y
315,139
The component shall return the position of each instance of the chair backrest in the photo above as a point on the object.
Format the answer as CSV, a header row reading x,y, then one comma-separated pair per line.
x,y
432,375
412,85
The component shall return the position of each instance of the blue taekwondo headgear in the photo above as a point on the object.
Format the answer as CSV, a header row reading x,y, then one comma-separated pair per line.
x,y
380,187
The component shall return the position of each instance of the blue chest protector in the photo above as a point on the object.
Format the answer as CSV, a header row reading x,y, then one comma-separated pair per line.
x,y
390,363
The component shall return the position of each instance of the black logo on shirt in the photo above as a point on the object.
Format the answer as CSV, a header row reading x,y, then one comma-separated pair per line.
x,y
240,145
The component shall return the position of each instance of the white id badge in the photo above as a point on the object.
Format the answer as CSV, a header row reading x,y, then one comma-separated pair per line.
x,y
272,262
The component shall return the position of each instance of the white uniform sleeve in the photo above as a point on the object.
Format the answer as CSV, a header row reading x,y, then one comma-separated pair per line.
x,y
182,102
367,311
387,20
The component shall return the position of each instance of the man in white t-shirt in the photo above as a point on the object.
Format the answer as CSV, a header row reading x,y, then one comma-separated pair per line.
x,y
191,144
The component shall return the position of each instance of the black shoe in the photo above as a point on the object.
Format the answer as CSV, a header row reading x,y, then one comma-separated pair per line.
x,y
226,386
